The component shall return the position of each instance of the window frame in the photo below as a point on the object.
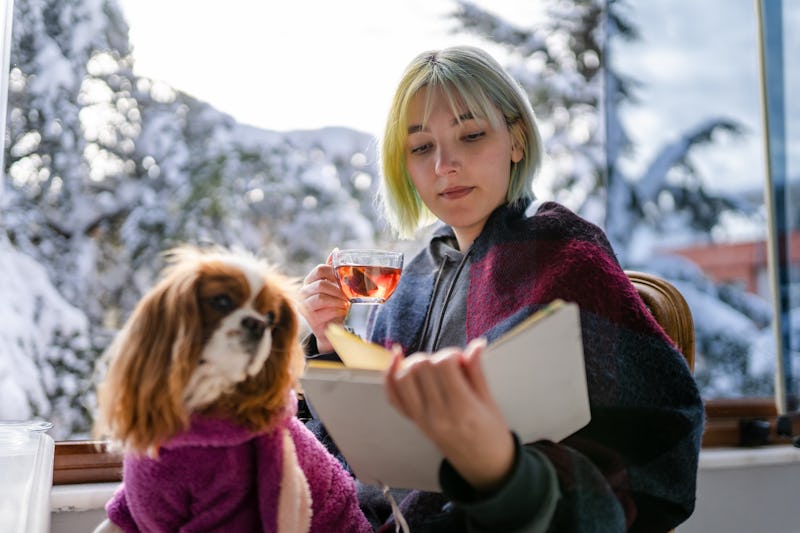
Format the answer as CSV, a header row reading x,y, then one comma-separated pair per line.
x,y
91,461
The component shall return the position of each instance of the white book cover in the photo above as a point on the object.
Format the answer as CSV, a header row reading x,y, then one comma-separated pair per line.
x,y
536,374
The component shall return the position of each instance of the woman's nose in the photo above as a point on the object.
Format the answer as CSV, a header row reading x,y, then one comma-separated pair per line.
x,y
446,161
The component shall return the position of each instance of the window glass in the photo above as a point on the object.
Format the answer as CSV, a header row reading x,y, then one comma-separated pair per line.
x,y
108,163
696,124
650,111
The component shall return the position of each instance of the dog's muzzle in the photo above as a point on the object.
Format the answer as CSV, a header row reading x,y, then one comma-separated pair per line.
x,y
254,328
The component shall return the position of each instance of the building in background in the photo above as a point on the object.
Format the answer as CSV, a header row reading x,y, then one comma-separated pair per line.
x,y
741,263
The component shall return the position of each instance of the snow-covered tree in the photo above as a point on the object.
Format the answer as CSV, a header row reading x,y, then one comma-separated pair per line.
x,y
42,341
50,208
564,65
106,170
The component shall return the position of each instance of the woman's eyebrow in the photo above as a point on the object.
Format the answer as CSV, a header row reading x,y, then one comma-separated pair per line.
x,y
416,128
463,116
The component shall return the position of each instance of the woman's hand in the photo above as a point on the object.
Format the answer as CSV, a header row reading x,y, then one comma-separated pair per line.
x,y
322,302
447,397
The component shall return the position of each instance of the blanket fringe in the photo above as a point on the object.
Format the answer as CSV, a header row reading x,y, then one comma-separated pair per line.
x,y
399,519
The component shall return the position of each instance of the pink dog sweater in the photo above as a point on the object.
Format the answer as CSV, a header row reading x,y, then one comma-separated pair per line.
x,y
220,477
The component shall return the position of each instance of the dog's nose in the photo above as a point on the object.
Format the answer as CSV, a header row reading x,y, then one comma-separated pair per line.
x,y
254,326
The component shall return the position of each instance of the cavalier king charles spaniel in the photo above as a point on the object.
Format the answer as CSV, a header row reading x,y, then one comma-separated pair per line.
x,y
199,396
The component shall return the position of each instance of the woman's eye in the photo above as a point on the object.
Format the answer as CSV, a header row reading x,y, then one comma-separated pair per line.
x,y
222,302
420,149
474,136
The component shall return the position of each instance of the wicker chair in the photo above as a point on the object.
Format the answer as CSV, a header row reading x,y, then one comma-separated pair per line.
x,y
669,309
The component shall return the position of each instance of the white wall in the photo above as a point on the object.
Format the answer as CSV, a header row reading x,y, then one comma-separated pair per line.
x,y
79,508
747,491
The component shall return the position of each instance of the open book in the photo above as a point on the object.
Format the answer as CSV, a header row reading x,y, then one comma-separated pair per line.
x,y
535,372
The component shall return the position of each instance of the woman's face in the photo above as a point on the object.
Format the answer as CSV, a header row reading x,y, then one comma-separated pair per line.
x,y
460,168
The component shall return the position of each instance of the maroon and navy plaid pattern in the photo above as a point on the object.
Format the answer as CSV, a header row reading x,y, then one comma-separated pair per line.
x,y
636,462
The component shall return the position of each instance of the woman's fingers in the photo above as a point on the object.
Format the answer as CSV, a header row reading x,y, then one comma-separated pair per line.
x,y
393,393
409,393
321,295
322,280
432,391
322,302
329,261
447,396
473,369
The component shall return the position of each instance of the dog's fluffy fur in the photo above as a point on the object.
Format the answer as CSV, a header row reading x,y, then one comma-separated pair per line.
x,y
217,335
199,395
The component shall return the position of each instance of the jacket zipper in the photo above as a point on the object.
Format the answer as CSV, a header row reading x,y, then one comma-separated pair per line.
x,y
448,294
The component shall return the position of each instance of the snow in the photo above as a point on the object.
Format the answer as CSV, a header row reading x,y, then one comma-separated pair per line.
x,y
34,312
81,242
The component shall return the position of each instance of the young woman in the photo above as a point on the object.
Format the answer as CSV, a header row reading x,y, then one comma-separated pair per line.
x,y
461,147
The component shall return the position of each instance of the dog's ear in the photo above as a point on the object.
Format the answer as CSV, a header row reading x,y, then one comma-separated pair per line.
x,y
288,331
259,399
141,398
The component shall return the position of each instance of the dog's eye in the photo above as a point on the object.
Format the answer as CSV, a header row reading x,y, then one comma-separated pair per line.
x,y
270,318
222,302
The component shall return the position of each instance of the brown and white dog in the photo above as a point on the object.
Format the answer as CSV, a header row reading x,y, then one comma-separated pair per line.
x,y
200,381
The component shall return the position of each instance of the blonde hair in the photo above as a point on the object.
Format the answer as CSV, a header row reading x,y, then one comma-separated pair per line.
x,y
469,77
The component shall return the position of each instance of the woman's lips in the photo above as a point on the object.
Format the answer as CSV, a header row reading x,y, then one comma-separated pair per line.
x,y
454,193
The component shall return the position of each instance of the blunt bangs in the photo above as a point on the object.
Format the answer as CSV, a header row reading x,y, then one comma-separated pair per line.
x,y
473,82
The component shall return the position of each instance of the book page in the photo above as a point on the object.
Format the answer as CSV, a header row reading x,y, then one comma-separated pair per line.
x,y
355,352
536,374
358,353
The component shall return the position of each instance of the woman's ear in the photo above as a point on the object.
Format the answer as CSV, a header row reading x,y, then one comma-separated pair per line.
x,y
516,153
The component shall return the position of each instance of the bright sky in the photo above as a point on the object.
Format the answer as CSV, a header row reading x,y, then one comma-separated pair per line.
x,y
285,65
688,76
293,65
